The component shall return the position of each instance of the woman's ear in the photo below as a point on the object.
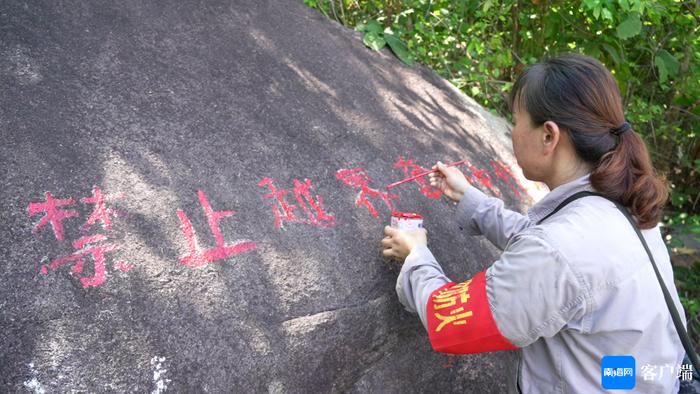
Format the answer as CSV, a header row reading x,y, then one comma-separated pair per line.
x,y
550,136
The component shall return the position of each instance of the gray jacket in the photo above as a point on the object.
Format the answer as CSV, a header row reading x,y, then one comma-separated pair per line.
x,y
567,291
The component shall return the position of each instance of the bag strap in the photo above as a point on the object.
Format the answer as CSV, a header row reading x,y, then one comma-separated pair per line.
x,y
682,333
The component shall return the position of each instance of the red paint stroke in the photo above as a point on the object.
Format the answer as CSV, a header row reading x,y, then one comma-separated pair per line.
x,y
450,363
44,270
358,178
318,217
279,194
124,266
98,255
100,212
283,211
88,239
54,214
506,175
483,178
423,182
198,257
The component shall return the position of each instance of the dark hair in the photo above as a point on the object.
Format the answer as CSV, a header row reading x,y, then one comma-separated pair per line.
x,y
581,96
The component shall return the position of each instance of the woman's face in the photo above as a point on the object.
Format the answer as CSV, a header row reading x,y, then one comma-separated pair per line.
x,y
527,144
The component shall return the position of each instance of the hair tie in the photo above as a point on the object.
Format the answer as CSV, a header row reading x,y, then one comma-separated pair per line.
x,y
621,129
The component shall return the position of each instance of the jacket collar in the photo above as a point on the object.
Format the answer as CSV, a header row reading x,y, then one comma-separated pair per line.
x,y
550,201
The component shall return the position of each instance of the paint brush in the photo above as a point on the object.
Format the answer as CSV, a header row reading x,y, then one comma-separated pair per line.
x,y
393,185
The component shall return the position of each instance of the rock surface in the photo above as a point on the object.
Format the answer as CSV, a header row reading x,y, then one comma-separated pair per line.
x,y
149,150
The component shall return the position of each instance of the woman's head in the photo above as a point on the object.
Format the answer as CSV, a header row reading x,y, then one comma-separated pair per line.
x,y
575,99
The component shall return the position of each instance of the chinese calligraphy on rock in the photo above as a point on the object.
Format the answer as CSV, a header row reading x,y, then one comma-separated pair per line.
x,y
312,208
296,205
96,246
198,257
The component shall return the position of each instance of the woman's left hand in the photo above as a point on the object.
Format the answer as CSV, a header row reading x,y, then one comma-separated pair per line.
x,y
398,244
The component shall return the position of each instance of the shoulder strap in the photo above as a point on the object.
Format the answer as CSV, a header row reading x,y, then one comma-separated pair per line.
x,y
569,199
682,333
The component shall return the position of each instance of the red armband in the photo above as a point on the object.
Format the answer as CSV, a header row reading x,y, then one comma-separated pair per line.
x,y
460,320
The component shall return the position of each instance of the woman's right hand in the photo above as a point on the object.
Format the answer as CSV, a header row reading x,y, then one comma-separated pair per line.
x,y
449,180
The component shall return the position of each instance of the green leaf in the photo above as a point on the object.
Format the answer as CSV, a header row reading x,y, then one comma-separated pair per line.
x,y
613,53
374,41
371,26
630,27
675,243
592,49
671,63
683,100
678,199
399,48
591,4
663,71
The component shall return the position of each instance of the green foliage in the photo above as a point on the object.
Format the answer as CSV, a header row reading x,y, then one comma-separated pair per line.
x,y
376,38
399,48
651,47
689,290
630,27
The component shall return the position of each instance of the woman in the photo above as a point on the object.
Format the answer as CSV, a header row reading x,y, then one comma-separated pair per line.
x,y
575,287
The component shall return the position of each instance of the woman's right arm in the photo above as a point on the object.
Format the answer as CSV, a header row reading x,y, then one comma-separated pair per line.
x,y
530,292
478,213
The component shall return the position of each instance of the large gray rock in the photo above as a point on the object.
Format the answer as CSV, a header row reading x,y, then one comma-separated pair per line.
x,y
168,107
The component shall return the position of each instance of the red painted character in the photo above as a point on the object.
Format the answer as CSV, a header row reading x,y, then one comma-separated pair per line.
x,y
54,214
98,252
411,169
198,257
312,208
506,175
100,212
86,244
358,178
483,178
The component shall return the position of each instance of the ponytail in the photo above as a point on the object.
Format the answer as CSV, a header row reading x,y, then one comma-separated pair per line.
x,y
591,113
626,175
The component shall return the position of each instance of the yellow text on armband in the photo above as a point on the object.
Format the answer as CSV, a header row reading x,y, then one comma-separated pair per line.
x,y
449,298
455,318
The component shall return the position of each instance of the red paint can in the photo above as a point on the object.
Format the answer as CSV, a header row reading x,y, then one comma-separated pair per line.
x,y
406,221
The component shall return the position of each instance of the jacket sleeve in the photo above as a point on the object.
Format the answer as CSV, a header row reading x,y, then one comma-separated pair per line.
x,y
420,275
530,292
533,291
445,308
480,214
